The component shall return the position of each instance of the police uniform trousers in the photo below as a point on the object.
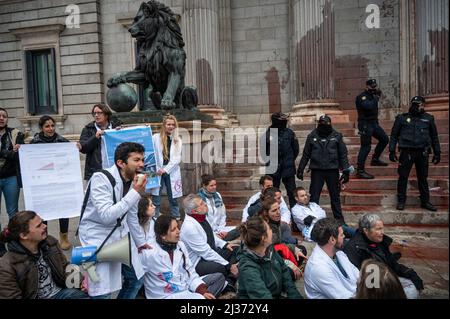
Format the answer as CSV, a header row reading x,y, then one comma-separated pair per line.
x,y
367,129
331,177
289,184
408,158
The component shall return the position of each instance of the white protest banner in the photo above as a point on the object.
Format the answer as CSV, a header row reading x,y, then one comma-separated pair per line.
x,y
138,134
51,178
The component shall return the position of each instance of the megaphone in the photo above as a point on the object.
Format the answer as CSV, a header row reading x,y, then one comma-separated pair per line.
x,y
87,256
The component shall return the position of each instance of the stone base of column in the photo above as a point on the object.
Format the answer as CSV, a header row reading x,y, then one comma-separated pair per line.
x,y
309,112
234,122
437,106
218,113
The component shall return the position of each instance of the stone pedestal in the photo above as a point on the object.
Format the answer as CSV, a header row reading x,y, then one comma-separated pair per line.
x,y
310,111
218,114
437,105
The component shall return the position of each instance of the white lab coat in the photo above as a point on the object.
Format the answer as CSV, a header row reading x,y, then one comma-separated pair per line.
x,y
172,168
324,280
99,219
140,235
300,212
194,237
217,216
284,210
164,279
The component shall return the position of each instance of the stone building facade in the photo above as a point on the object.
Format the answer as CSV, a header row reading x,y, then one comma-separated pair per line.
x,y
247,58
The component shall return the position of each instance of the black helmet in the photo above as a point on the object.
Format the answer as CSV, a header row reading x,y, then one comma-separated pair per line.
x,y
279,116
324,119
372,83
418,100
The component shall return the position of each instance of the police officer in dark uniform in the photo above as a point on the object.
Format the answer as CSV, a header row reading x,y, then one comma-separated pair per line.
x,y
327,153
288,150
368,126
415,133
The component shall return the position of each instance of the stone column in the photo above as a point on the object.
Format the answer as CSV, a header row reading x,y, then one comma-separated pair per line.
x,y
201,34
313,62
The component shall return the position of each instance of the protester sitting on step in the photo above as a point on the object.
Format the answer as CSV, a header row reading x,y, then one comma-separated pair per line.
x,y
142,224
329,274
370,242
208,253
169,273
262,272
48,135
265,182
34,266
274,192
385,285
217,214
287,246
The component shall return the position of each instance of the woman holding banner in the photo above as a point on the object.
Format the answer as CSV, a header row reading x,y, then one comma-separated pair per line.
x,y
48,135
168,147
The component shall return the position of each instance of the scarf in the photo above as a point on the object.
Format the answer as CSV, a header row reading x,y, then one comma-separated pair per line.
x,y
199,218
166,246
204,194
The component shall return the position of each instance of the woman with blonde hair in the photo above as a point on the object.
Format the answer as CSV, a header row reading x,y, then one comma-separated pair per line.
x,y
168,147
378,281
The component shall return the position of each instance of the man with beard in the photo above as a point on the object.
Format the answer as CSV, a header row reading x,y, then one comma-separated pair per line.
x,y
111,194
415,133
368,126
327,153
329,274
288,150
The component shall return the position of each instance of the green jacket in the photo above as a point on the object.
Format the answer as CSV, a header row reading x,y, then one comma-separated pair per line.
x,y
264,277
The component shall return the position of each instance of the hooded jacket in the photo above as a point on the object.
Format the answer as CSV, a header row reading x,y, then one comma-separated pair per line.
x,y
19,272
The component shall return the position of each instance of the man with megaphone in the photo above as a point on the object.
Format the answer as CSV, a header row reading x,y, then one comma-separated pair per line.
x,y
111,194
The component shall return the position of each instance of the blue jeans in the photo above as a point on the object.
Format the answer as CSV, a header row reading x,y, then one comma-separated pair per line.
x,y
130,285
106,296
69,293
174,209
11,190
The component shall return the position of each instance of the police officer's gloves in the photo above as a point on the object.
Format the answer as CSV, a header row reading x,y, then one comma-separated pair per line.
x,y
345,178
436,158
300,175
308,220
393,157
417,281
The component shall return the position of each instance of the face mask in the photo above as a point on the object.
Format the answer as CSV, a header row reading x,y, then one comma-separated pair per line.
x,y
279,123
324,129
415,110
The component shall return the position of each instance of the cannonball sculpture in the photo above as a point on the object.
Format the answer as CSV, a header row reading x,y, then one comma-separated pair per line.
x,y
121,98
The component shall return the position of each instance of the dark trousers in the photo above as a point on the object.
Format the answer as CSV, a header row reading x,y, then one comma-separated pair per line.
x,y
407,159
63,225
206,267
367,129
289,183
331,177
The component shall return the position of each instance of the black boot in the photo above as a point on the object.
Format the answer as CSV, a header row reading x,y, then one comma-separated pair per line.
x,y
400,206
361,173
377,162
428,206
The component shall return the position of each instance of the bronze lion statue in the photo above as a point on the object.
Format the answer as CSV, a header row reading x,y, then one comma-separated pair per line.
x,y
161,59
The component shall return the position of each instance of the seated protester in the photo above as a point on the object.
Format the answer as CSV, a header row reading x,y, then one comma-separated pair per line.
x,y
169,273
386,285
142,225
281,237
208,253
306,213
274,192
34,266
328,273
370,242
217,214
262,272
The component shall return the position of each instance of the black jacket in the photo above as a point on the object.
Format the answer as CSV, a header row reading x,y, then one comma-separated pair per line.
x,y
360,248
9,160
41,138
19,272
367,106
324,153
288,150
415,131
91,146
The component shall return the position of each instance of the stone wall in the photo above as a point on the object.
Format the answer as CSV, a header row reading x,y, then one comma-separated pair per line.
x,y
363,53
260,31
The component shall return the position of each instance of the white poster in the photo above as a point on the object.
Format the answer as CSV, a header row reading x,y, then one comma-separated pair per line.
x,y
51,178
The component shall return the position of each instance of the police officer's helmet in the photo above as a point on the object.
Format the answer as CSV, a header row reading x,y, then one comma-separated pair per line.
x,y
325,119
279,116
372,83
418,100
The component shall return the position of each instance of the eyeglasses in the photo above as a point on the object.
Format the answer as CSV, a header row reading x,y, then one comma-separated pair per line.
x,y
97,113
